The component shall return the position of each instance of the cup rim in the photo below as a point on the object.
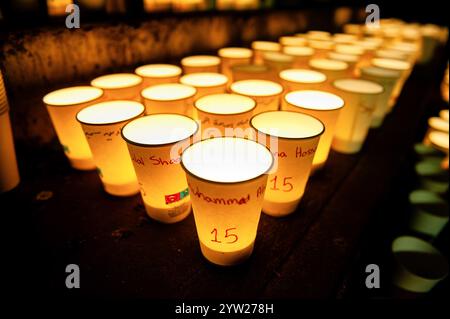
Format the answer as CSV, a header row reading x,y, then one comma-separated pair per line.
x,y
73,104
318,110
217,62
353,92
253,95
250,110
112,123
172,100
179,71
228,183
119,88
288,138
158,145
205,86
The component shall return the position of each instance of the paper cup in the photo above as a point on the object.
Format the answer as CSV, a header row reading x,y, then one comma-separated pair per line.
x,y
332,69
265,93
200,63
227,178
205,83
351,28
435,124
432,176
419,266
292,41
439,140
298,136
344,38
321,47
278,62
155,143
62,106
224,114
302,79
260,47
323,106
233,56
444,115
350,59
318,35
119,86
172,98
301,55
349,49
154,74
251,72
386,78
101,124
354,120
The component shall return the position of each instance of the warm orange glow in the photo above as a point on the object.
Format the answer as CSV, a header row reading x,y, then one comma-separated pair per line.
x,y
318,35
435,124
331,68
57,7
298,136
101,124
227,178
206,83
301,79
158,74
152,143
323,106
439,140
263,46
233,56
321,47
200,63
292,41
301,55
62,106
349,49
119,86
250,72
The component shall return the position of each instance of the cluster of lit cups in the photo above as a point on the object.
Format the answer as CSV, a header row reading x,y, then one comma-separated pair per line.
x,y
420,266
235,134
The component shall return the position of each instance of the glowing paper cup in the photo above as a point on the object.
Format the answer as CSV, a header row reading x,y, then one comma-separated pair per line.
x,y
158,74
301,55
278,61
221,114
331,68
444,115
435,124
251,72
388,79
259,47
298,136
206,83
321,48
155,142
439,140
350,59
292,41
200,63
62,106
101,124
318,35
301,79
323,106
169,98
232,56
420,266
227,178
265,93
354,120
119,86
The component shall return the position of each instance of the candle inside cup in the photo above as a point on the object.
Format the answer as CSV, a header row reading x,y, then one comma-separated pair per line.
x,y
102,124
265,93
224,114
354,120
323,106
227,178
200,63
301,55
155,143
259,47
206,83
62,106
153,74
233,56
169,98
297,138
119,86
301,79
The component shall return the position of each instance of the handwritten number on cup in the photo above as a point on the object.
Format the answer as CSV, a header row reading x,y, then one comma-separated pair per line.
x,y
286,187
231,238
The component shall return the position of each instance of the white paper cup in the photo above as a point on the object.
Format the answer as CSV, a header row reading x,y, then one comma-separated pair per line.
x,y
233,56
172,98
302,79
119,86
227,178
301,55
102,125
200,63
154,74
155,143
260,47
297,138
332,69
420,266
266,93
354,120
323,106
206,83
62,106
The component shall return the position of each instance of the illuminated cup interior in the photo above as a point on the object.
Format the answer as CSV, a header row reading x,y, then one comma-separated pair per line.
x,y
351,28
224,114
206,83
227,178
344,38
439,140
430,212
349,49
297,137
119,86
259,47
350,59
101,124
323,106
318,35
354,120
155,143
173,98
331,68
419,265
301,55
153,74
200,63
388,79
265,93
250,72
391,54
292,41
232,56
435,124
301,79
321,47
62,106
444,115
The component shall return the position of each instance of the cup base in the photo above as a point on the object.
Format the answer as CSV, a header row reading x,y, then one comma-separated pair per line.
x,y
122,190
279,209
82,164
346,147
226,258
169,215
